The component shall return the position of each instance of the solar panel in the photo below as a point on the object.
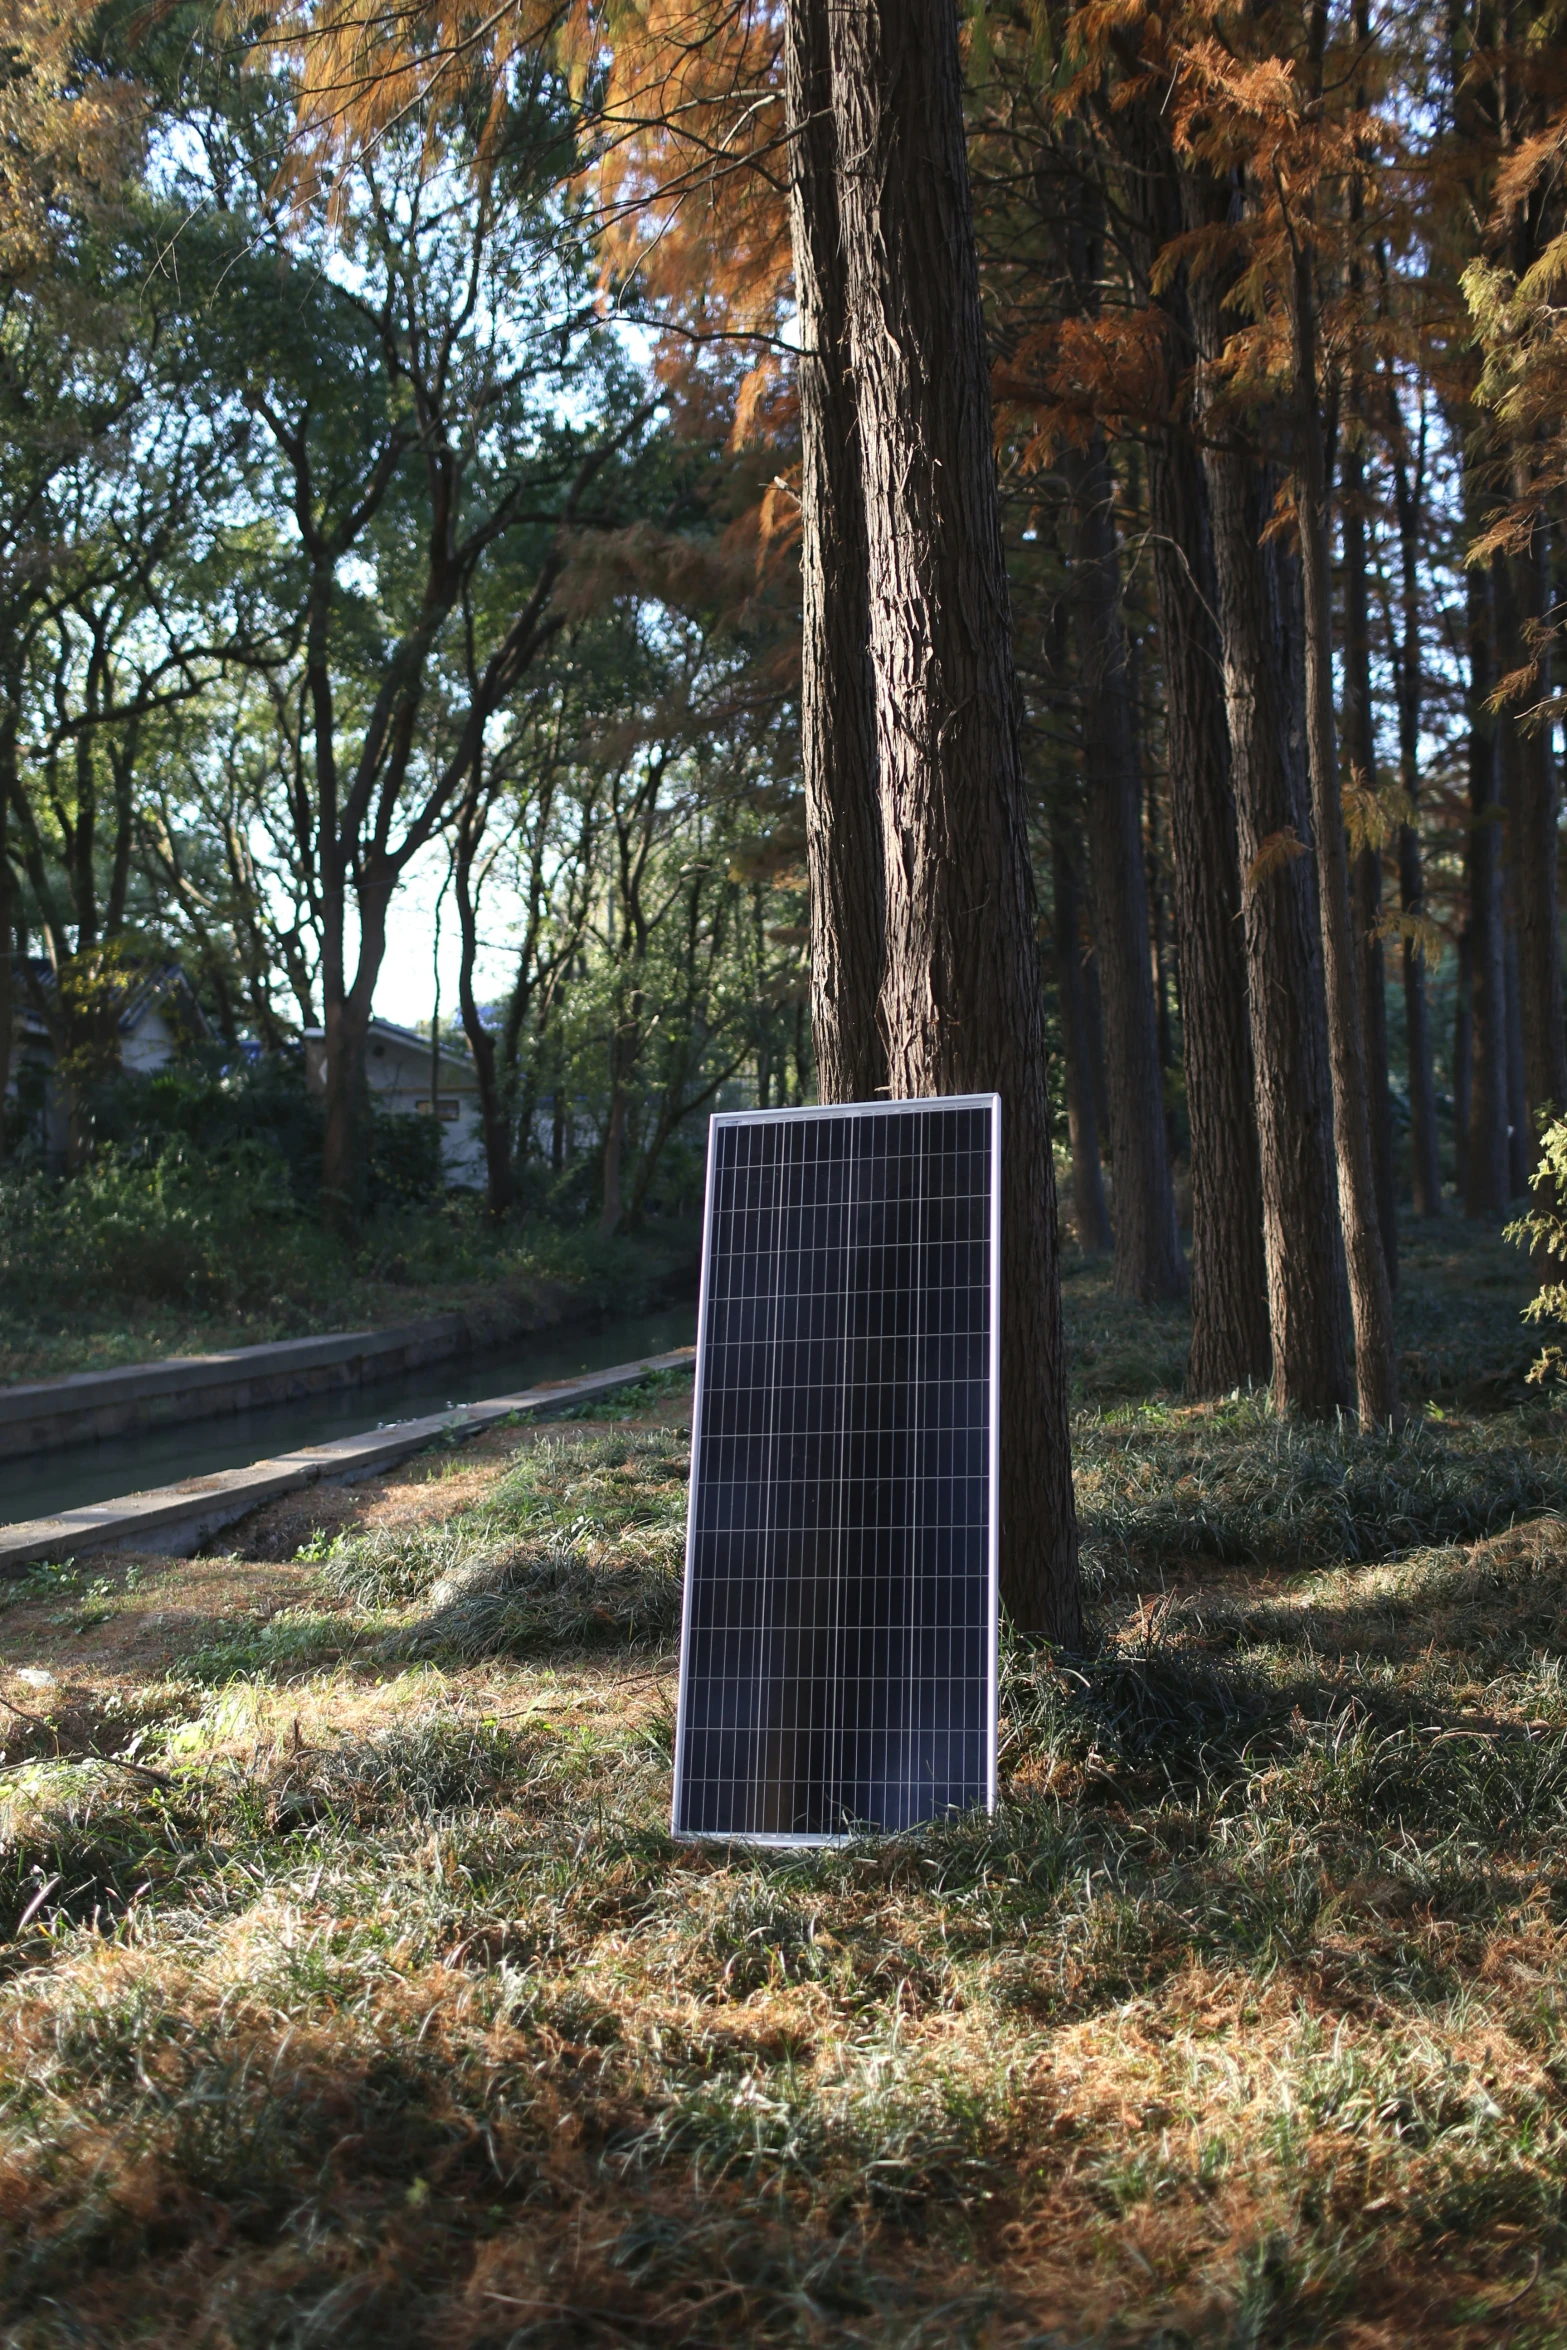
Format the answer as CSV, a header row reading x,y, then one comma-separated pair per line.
x,y
838,1645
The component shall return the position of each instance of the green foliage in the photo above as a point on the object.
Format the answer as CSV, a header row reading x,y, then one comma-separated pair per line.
x,y
1543,1231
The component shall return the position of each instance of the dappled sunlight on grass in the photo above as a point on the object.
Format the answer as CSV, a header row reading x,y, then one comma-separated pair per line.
x,y
358,1994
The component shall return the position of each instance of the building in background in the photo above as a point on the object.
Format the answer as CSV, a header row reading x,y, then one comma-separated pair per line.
x,y
159,1019
398,1063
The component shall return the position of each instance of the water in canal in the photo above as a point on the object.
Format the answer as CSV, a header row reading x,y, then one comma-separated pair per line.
x,y
35,1487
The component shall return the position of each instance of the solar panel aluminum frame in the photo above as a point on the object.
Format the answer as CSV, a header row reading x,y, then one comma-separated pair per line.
x,y
991,1104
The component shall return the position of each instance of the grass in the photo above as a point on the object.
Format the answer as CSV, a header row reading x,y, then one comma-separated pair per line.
x,y
259,1282
355,1992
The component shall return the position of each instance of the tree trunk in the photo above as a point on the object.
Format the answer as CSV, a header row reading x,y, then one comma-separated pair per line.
x,y
1361,748
1089,1212
1424,1156
1517,1107
1533,844
1463,1063
493,1115
7,907
962,992
1284,972
1148,1261
1487,1184
1230,1342
837,695
1370,1297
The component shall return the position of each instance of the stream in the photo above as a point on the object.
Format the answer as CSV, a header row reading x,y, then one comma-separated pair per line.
x,y
101,1470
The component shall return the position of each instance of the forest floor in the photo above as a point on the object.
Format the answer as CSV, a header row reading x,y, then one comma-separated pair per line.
x,y
356,1993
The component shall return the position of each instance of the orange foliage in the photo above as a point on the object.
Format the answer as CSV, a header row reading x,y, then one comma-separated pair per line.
x,y
65,132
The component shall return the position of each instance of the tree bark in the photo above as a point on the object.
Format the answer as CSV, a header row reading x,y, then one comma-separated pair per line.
x,y
962,983
1524,600
1089,1212
1370,1294
1361,748
1487,1183
1230,1341
1284,971
1148,1261
8,728
1517,1107
1463,1062
837,694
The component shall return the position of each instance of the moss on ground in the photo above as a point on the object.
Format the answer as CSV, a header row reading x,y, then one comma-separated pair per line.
x,y
355,1992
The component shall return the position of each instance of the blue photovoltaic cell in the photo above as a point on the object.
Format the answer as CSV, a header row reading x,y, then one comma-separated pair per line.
x,y
838,1648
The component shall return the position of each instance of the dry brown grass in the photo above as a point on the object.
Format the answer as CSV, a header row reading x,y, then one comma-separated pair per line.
x,y
378,2008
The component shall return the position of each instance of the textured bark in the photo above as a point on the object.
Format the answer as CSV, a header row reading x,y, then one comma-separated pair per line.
x,y
1487,1183
1523,599
1294,1105
1370,1297
1230,1342
837,705
1425,1164
962,989
1089,1212
1148,1260
1361,752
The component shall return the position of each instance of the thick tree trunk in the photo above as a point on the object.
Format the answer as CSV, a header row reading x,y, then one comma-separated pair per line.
x,y
1090,1215
1487,1183
962,990
1230,1342
837,695
1148,1261
1361,749
1523,599
1284,972
1370,1297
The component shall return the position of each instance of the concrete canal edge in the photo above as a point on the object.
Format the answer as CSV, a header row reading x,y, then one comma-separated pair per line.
x,y
177,1519
37,1415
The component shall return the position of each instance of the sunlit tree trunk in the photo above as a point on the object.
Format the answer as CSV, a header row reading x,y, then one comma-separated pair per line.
x,y
1361,749
1089,1211
963,1000
837,705
1370,1296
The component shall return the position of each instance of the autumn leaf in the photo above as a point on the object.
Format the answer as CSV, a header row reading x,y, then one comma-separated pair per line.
x,y
1280,848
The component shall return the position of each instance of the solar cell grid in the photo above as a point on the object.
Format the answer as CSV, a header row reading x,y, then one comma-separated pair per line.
x,y
838,1643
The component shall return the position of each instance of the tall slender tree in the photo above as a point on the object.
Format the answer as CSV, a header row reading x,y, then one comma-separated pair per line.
x,y
837,704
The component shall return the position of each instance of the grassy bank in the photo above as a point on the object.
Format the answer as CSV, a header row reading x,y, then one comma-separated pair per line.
x,y
364,1999
116,1280
77,1299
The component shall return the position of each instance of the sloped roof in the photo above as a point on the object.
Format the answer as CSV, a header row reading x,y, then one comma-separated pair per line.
x,y
149,988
